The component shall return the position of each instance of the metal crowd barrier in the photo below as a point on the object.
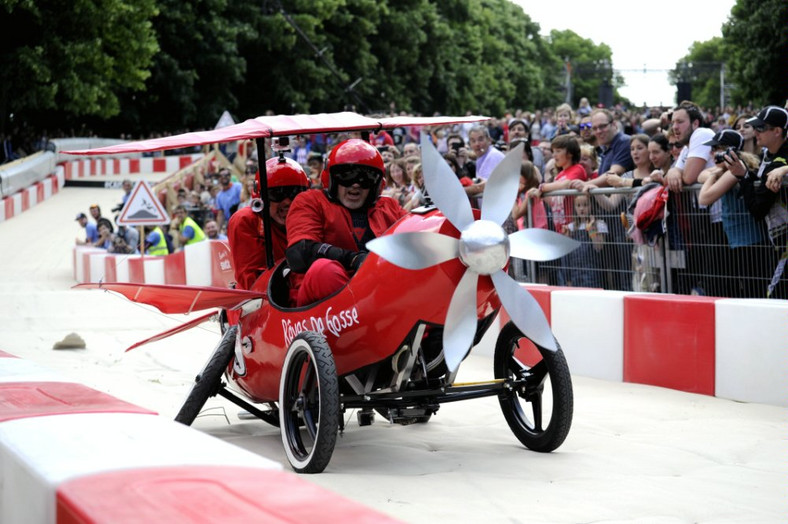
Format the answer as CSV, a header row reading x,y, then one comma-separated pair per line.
x,y
693,256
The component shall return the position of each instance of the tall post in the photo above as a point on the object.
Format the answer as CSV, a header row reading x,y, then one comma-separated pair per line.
x,y
722,87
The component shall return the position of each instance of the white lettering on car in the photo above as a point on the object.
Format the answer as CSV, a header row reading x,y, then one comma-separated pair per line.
x,y
333,323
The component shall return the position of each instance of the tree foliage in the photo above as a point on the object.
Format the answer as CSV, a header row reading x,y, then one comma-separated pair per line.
x,y
591,65
72,58
701,68
756,46
166,65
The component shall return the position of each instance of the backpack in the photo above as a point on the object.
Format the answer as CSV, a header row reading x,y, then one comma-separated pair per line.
x,y
648,208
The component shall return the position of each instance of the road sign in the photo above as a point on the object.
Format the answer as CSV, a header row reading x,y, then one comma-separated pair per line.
x,y
143,208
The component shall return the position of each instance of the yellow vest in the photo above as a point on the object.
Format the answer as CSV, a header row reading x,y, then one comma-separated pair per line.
x,y
160,248
199,235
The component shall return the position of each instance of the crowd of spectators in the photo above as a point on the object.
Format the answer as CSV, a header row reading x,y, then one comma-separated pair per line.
x,y
573,151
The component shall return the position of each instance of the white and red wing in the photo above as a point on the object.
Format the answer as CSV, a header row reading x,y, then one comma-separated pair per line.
x,y
177,329
279,125
174,299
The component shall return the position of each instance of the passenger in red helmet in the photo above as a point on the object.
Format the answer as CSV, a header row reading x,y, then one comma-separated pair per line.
x,y
286,178
328,230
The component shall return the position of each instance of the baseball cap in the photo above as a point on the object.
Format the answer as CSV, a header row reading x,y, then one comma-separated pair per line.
x,y
770,115
80,215
726,137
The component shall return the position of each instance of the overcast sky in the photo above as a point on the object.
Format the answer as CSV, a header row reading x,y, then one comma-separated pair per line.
x,y
655,35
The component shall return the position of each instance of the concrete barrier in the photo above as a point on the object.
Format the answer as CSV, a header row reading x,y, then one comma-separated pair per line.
x,y
70,454
205,263
730,348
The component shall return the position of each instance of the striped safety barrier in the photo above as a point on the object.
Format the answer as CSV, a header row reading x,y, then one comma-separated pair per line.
x,y
70,454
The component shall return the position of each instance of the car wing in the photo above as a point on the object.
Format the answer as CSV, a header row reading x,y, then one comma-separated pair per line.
x,y
278,125
173,299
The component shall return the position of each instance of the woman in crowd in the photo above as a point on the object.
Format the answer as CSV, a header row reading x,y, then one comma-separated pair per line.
x,y
747,133
418,198
398,185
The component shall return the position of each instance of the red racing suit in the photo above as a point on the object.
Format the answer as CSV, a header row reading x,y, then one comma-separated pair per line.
x,y
246,236
321,221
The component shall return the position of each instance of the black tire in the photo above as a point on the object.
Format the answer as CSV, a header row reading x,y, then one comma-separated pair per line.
x,y
539,411
208,382
309,403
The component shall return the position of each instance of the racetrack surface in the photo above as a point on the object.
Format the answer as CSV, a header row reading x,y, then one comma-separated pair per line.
x,y
635,453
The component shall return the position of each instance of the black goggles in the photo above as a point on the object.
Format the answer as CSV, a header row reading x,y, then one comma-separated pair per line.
x,y
365,178
278,194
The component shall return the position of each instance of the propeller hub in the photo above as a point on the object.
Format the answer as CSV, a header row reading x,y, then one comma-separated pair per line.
x,y
484,247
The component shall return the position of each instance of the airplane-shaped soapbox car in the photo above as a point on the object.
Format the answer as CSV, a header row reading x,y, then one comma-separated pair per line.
x,y
391,341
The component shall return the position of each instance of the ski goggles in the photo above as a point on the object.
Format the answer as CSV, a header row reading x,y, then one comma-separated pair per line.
x,y
278,194
365,178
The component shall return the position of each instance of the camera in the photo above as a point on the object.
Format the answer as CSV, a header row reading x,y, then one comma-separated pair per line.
x,y
456,146
719,158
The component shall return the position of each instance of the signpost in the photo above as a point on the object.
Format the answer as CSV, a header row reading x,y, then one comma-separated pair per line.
x,y
143,209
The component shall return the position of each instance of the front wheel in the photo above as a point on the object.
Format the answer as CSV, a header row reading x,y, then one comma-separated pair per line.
x,y
309,403
539,404
209,380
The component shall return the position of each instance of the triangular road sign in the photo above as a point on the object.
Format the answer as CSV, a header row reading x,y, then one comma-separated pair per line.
x,y
143,208
225,120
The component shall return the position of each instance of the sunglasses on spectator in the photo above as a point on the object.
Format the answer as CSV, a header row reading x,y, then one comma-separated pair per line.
x,y
278,194
761,129
601,127
587,125
364,178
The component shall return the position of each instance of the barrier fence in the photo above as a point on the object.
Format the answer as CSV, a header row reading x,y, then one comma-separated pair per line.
x,y
693,256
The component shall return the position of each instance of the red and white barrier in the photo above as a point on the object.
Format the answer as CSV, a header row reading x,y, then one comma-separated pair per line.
x,y
88,167
205,263
729,348
70,454
23,200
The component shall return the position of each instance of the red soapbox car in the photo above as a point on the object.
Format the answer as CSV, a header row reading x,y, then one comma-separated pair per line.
x,y
391,341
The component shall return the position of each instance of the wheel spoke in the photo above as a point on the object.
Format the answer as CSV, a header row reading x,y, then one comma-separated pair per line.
x,y
309,424
537,375
536,405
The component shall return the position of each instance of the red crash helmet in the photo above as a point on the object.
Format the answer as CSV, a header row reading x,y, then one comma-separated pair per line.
x,y
355,155
285,179
283,172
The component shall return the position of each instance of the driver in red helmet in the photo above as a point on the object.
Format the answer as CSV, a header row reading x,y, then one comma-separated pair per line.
x,y
286,178
328,230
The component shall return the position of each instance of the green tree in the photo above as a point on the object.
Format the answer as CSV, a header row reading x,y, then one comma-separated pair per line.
x,y
65,61
756,46
590,64
701,67
194,76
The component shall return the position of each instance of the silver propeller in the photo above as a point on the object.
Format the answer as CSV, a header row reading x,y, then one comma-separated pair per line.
x,y
483,247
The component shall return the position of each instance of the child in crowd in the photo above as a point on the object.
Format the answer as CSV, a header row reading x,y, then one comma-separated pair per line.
x,y
583,266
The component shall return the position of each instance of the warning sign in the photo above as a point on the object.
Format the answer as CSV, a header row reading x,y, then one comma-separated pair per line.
x,y
143,208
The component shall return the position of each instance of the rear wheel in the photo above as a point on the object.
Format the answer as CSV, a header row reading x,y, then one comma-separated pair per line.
x,y
209,381
539,406
309,403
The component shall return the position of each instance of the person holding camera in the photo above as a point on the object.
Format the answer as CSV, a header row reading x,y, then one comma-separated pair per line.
x,y
771,126
744,234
